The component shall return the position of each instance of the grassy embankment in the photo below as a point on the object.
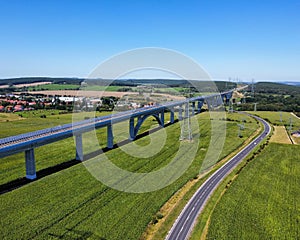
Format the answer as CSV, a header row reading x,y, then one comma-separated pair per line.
x,y
72,204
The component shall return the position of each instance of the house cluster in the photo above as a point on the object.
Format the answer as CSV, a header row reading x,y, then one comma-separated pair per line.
x,y
12,103
296,133
19,103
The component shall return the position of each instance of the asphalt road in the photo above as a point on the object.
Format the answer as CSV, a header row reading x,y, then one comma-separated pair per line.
x,y
184,224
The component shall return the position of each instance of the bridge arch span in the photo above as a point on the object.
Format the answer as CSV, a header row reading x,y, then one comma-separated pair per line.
x,y
135,129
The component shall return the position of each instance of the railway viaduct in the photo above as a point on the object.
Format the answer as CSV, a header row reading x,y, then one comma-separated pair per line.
x,y
29,141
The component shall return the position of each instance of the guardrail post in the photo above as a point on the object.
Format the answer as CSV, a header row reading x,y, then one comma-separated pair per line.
x,y
30,164
131,129
79,147
110,137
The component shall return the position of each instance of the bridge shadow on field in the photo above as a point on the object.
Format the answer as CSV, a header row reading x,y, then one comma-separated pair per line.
x,y
14,184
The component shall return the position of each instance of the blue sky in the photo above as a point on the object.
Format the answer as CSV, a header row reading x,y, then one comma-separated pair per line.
x,y
232,38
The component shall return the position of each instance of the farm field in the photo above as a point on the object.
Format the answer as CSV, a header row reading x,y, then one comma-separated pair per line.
x,y
71,204
54,87
274,118
263,202
13,167
280,135
104,88
281,119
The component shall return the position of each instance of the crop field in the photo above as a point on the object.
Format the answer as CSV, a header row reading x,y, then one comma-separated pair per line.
x,y
13,167
280,135
282,119
6,117
71,204
279,118
54,87
104,88
263,202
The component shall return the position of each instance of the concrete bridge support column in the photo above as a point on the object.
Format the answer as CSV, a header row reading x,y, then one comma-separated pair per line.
x,y
110,137
79,147
221,100
215,101
30,164
227,100
208,104
172,115
131,129
199,106
193,108
162,118
180,113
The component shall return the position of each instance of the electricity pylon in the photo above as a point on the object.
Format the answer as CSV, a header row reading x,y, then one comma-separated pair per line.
x,y
186,131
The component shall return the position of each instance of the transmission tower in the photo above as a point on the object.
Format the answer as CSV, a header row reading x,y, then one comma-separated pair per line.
x,y
241,127
252,88
186,131
280,113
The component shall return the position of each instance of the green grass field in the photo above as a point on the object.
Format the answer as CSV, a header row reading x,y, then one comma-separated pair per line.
x,y
54,87
282,119
71,204
104,88
13,167
279,118
263,202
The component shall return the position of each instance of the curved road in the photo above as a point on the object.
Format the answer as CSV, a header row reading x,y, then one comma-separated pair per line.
x,y
184,224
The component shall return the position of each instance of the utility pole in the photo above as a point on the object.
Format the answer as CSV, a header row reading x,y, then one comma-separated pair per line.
x,y
186,131
255,107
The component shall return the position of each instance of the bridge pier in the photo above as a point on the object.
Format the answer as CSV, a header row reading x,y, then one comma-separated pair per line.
x,y
215,104
199,106
172,115
79,147
30,164
180,113
110,137
131,129
162,117
208,103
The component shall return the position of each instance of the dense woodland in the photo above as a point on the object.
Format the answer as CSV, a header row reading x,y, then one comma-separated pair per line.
x,y
193,85
272,97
